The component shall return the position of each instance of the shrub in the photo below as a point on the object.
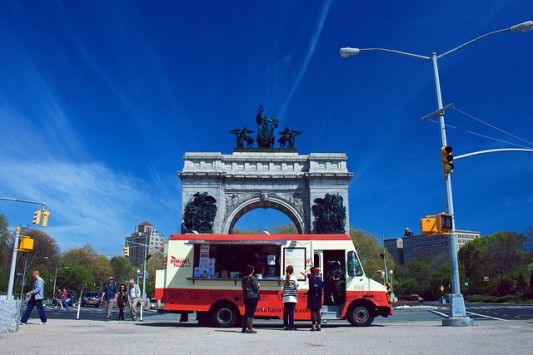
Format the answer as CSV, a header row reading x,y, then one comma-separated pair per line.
x,y
504,287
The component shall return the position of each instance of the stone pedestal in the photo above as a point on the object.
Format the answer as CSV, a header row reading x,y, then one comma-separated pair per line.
x,y
9,316
458,317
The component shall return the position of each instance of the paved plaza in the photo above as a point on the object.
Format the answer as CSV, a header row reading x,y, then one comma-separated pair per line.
x,y
422,337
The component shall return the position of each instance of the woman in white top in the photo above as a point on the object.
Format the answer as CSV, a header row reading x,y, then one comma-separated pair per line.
x,y
290,297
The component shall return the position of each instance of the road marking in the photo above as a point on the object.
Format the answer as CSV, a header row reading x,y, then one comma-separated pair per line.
x,y
439,313
482,315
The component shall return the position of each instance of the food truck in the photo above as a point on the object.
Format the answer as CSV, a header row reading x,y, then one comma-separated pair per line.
x,y
202,274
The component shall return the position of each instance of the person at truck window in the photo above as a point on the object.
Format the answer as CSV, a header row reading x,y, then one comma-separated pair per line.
x,y
250,290
314,296
289,294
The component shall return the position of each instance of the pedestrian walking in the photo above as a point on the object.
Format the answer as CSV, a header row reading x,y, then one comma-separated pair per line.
x,y
250,290
35,299
290,298
134,292
109,294
314,296
122,300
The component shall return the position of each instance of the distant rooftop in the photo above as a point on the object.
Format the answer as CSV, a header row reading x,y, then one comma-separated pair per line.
x,y
146,223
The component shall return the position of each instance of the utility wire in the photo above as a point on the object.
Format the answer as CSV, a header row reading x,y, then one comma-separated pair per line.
x,y
492,126
480,135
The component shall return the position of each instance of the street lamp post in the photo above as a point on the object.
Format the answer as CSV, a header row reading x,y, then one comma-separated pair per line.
x,y
458,315
55,277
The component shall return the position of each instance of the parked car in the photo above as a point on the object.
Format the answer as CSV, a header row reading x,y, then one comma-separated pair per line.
x,y
90,298
413,298
71,298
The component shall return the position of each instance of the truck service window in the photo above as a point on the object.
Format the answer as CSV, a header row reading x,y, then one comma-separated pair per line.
x,y
296,258
229,260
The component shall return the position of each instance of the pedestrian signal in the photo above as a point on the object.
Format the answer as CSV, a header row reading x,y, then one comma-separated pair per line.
x,y
445,223
441,223
446,159
126,251
26,244
37,217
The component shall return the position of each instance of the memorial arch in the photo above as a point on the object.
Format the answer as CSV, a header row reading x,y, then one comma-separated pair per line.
x,y
312,190
245,180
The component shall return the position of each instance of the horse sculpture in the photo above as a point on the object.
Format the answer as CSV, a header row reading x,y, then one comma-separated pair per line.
x,y
265,129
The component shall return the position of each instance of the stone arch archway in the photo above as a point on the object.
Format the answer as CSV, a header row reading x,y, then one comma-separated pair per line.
x,y
243,181
258,202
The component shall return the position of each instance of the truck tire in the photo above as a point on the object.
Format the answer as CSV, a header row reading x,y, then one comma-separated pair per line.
x,y
360,316
224,315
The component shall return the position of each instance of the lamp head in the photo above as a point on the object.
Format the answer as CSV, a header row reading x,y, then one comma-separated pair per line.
x,y
348,52
522,27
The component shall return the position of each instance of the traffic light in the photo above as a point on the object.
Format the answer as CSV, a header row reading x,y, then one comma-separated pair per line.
x,y
26,244
126,251
446,158
46,215
37,217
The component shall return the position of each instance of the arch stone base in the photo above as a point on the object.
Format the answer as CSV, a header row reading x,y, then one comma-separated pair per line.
x,y
286,181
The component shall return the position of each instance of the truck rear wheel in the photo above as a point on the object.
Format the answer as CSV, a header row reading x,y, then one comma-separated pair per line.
x,y
224,315
360,316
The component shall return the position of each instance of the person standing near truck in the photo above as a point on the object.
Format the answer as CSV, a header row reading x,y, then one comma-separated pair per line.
x,y
250,290
314,296
290,289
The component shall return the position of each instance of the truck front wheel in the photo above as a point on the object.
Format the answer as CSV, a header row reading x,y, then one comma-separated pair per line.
x,y
360,316
224,315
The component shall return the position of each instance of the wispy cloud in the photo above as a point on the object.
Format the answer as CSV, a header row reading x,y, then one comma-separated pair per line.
x,y
309,55
89,202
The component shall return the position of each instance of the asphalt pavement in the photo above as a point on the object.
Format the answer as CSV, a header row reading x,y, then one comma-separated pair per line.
x,y
429,312
163,337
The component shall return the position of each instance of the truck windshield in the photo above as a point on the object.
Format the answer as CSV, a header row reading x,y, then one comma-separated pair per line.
x,y
354,265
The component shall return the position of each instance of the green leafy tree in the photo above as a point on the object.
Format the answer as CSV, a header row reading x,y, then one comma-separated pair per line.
x,y
77,278
286,229
122,269
497,257
369,252
154,263
86,256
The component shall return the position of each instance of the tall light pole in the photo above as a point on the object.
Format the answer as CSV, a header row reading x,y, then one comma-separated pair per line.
x,y
55,277
458,315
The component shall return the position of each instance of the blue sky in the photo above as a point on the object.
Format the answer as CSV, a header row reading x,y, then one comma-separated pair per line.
x,y
99,101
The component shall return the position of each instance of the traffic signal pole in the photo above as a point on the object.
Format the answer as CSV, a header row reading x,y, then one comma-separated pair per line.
x,y
457,304
11,281
13,265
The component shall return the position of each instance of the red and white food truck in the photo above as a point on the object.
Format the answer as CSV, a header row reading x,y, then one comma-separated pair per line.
x,y
202,274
